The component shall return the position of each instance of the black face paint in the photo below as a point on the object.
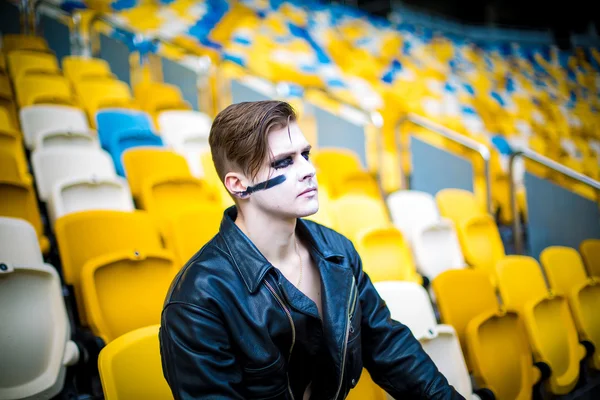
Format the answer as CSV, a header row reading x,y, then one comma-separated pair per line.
x,y
269,183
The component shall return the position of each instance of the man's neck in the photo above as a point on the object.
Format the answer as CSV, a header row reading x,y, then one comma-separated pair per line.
x,y
275,238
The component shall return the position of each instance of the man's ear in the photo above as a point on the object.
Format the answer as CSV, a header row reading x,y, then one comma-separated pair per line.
x,y
236,183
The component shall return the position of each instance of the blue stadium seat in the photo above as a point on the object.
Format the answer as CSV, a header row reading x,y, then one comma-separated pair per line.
x,y
120,141
110,121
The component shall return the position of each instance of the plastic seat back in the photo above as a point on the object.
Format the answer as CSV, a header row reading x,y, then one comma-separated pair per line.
x,y
211,177
361,183
125,290
439,341
66,139
333,164
590,252
112,121
142,163
77,68
130,367
23,62
123,141
19,243
166,196
86,235
386,256
191,229
13,42
437,249
51,165
92,193
38,119
566,275
458,205
481,243
412,210
353,213
419,317
34,333
458,309
551,328
44,89
104,93
177,125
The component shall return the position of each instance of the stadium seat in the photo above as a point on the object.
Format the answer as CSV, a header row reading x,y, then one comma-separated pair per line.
x,y
353,213
125,290
35,332
590,252
412,210
19,242
18,196
566,274
40,119
189,230
437,249
212,179
386,256
154,97
98,94
130,367
333,165
493,339
112,121
54,164
122,141
88,235
77,68
66,139
549,323
13,42
186,132
10,142
142,163
458,205
27,62
358,182
81,193
44,89
439,341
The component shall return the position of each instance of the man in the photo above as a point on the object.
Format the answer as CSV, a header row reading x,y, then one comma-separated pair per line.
x,y
276,307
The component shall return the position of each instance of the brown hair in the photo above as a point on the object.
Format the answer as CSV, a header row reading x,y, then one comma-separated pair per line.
x,y
239,134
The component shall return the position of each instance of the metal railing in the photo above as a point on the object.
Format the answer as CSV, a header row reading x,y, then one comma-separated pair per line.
x,y
547,162
453,136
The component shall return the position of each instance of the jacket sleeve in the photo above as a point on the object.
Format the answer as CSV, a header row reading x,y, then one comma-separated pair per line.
x,y
197,357
393,356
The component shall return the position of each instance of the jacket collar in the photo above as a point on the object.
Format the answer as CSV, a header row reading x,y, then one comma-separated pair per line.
x,y
251,263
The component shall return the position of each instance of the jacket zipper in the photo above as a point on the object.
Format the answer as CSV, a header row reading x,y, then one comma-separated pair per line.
x,y
346,338
289,315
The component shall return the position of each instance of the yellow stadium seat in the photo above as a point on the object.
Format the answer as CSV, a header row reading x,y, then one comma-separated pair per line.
x,y
187,231
566,274
548,321
78,68
164,196
366,389
125,290
590,252
353,213
458,310
154,97
44,89
333,165
25,62
87,235
386,256
8,112
130,367
212,179
6,122
458,205
96,94
5,87
145,162
13,42
358,182
11,142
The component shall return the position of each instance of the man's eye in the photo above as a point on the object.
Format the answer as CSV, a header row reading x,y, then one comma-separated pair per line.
x,y
306,155
286,162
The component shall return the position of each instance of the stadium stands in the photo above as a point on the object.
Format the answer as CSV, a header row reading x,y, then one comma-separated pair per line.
x,y
108,187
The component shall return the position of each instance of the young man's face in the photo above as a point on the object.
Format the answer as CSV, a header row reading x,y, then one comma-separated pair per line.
x,y
297,195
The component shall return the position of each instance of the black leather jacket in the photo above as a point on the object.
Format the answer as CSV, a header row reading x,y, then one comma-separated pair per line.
x,y
226,331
